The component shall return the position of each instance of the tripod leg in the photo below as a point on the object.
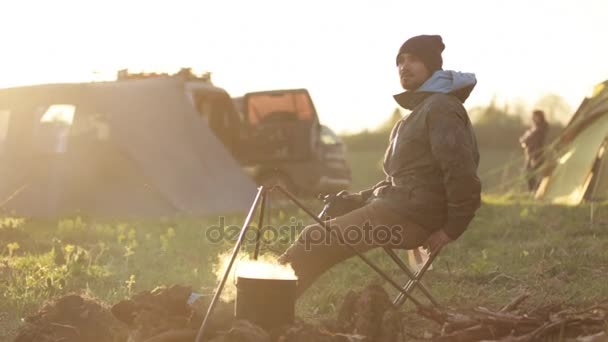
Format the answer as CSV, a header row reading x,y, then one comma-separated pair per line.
x,y
258,236
235,251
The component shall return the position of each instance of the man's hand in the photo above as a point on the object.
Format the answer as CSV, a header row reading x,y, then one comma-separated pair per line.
x,y
437,241
350,196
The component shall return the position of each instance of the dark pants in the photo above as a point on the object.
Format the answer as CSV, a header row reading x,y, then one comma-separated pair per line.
x,y
532,174
371,226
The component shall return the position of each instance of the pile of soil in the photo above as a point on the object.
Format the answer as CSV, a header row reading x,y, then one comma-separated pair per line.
x,y
72,318
304,332
365,316
165,315
370,313
243,331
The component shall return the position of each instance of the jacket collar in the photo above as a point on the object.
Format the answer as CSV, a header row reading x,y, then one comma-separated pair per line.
x,y
410,99
458,84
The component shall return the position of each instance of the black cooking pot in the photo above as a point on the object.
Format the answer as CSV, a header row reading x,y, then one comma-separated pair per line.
x,y
269,303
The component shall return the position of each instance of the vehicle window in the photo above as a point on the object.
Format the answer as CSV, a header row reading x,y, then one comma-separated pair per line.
x,y
52,131
4,121
279,107
328,137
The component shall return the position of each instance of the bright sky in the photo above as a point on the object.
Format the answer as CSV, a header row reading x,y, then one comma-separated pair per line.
x,y
342,51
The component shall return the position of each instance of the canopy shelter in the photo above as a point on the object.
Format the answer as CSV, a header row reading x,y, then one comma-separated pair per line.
x,y
113,149
577,170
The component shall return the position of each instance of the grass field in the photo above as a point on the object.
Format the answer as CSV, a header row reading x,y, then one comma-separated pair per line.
x,y
513,245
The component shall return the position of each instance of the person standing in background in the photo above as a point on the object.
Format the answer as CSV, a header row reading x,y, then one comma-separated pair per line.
x,y
533,143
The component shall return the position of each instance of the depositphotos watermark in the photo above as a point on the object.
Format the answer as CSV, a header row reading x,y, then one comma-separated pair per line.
x,y
379,235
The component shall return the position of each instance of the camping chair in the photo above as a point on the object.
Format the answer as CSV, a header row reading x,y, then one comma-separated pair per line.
x,y
262,198
334,206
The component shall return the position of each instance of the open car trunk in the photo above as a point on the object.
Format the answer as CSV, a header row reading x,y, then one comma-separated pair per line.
x,y
279,125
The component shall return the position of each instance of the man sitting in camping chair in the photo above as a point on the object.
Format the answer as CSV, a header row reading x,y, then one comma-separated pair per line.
x,y
431,191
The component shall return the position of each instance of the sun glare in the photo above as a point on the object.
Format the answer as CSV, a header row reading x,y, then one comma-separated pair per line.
x,y
346,66
59,113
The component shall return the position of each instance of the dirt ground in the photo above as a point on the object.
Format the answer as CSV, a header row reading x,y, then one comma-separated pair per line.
x,y
163,315
365,316
72,318
369,312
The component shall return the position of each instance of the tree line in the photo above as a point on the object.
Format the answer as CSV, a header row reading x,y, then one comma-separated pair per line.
x,y
495,126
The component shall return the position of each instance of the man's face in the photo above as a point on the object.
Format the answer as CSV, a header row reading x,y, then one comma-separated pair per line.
x,y
412,72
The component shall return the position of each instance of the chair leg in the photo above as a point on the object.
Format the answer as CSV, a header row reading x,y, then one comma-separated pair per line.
x,y
410,275
400,299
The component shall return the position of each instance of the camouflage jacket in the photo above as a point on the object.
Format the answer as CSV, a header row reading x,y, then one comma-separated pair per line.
x,y
432,158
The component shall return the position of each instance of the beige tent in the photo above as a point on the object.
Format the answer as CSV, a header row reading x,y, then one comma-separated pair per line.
x,y
113,149
578,169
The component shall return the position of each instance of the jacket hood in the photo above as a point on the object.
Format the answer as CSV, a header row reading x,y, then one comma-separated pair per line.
x,y
459,84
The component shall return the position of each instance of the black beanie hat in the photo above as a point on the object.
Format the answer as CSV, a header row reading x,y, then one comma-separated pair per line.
x,y
426,47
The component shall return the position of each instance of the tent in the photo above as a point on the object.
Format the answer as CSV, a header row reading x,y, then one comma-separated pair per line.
x,y
578,168
131,148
